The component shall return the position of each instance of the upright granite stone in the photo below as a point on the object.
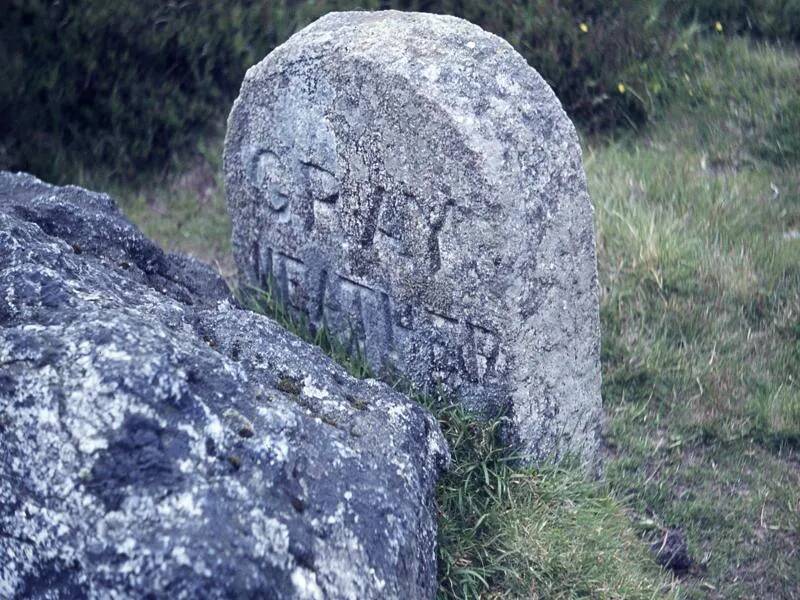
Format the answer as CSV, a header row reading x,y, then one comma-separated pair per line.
x,y
409,180
157,441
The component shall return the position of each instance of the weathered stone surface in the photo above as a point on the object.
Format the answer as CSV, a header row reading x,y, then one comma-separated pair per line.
x,y
409,178
158,441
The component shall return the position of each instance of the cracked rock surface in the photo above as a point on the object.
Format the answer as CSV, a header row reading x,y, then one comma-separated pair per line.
x,y
158,441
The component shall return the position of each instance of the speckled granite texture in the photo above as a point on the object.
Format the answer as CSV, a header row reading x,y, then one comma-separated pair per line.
x,y
158,441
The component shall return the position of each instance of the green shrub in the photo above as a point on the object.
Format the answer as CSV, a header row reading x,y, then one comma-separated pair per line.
x,y
118,83
126,84
772,19
603,59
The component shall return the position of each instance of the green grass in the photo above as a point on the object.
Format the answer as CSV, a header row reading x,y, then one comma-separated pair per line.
x,y
699,252
700,277
506,532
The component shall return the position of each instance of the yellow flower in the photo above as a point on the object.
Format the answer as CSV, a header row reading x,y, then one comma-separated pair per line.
x,y
584,27
718,26
621,88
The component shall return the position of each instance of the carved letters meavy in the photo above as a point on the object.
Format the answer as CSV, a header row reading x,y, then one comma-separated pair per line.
x,y
371,317
265,176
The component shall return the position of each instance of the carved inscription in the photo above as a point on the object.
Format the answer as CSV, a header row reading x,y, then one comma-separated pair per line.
x,y
280,183
406,227
397,223
267,175
323,189
370,314
305,194
288,275
478,347
374,321
322,184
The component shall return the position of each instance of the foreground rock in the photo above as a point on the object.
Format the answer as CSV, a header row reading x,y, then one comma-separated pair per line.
x,y
157,441
409,179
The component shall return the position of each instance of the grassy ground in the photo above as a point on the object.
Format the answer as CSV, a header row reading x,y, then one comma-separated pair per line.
x,y
699,248
700,272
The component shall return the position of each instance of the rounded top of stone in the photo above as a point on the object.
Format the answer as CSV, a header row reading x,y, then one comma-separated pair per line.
x,y
443,57
487,91
395,35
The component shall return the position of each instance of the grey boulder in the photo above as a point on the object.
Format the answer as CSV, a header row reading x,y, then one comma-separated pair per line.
x,y
158,441
409,182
